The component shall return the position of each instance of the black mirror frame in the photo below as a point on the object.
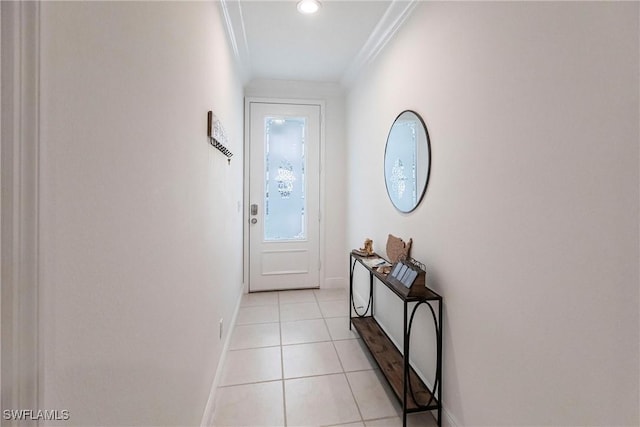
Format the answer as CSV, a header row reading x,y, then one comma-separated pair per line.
x,y
426,183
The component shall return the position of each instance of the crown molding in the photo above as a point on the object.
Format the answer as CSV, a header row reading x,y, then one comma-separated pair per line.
x,y
234,25
393,18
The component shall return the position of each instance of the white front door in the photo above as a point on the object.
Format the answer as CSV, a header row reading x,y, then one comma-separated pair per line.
x,y
284,194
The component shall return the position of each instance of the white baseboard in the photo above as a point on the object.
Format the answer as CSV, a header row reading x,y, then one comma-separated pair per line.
x,y
335,282
447,419
209,409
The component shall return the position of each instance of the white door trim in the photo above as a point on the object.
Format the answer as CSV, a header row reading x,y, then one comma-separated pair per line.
x,y
247,163
21,351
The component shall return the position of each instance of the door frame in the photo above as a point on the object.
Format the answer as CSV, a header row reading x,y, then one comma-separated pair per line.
x,y
21,345
247,162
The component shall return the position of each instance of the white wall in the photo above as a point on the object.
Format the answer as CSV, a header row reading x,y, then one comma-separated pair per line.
x,y
529,228
141,230
335,268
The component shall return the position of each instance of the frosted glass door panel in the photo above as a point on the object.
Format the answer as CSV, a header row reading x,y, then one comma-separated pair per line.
x,y
284,195
284,199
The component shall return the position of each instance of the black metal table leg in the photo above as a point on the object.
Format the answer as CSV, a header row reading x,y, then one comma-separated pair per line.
x,y
352,264
406,377
370,292
439,365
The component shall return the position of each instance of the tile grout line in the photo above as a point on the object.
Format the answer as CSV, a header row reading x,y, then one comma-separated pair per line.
x,y
295,378
235,328
284,395
254,348
250,383
279,304
341,365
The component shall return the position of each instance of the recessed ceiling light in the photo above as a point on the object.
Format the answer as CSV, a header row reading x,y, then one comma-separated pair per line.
x,y
308,6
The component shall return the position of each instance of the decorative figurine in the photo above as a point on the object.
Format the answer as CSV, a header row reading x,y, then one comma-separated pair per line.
x,y
368,247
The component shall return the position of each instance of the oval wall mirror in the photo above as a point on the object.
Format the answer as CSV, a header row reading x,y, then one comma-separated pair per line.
x,y
407,160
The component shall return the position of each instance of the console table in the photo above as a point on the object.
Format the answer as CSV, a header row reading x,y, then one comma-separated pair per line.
x,y
411,391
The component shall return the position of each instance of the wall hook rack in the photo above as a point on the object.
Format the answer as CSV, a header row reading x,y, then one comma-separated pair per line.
x,y
217,135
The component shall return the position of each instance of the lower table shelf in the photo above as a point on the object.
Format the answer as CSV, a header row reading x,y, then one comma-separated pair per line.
x,y
391,363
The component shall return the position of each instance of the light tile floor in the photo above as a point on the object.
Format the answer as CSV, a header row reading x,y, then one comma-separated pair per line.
x,y
294,362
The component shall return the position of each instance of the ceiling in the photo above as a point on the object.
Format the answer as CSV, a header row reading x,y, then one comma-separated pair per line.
x,y
272,40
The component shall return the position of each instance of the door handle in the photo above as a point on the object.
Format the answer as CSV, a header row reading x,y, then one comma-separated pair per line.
x,y
254,221
254,209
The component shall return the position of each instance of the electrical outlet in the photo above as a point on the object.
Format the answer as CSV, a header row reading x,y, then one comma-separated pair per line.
x,y
221,326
